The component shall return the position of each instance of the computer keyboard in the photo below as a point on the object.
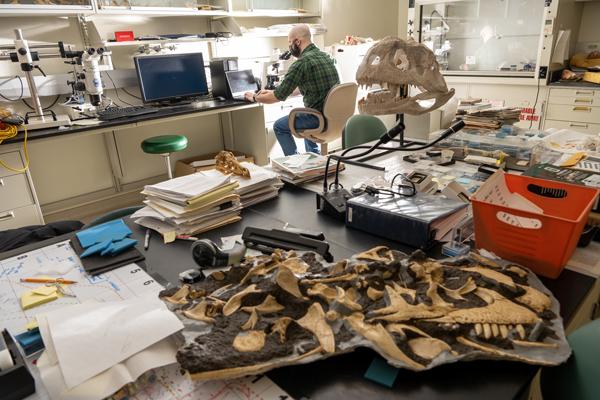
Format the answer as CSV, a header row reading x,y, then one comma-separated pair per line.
x,y
114,113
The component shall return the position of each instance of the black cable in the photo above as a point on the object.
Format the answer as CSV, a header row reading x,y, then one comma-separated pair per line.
x,y
117,90
43,108
132,95
22,88
535,104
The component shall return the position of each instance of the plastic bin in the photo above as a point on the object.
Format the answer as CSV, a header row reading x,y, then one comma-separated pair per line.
x,y
548,240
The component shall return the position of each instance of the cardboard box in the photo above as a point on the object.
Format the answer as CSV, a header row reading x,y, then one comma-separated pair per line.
x,y
185,167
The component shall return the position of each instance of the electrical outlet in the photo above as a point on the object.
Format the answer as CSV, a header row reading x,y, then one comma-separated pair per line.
x,y
543,73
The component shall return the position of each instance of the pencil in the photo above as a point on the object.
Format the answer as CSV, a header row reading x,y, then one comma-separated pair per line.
x,y
48,280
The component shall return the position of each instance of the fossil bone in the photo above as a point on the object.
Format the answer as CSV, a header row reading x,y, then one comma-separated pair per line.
x,y
340,278
535,344
381,338
314,322
179,297
199,313
457,294
534,299
227,163
497,352
374,294
395,63
280,327
494,275
325,292
235,301
428,348
296,265
250,341
401,328
517,270
286,280
399,310
252,321
374,254
269,305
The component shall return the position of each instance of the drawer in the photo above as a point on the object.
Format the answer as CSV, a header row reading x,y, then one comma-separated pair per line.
x,y
573,113
583,127
13,160
575,101
14,192
581,92
19,217
275,111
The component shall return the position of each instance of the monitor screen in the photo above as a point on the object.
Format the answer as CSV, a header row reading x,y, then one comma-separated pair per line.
x,y
171,76
241,81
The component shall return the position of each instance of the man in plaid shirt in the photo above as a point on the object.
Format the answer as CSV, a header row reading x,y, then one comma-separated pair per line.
x,y
313,74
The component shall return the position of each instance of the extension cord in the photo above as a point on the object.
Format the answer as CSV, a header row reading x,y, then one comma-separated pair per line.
x,y
333,203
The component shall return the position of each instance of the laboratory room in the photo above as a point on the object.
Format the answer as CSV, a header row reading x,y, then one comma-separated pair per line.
x,y
299,199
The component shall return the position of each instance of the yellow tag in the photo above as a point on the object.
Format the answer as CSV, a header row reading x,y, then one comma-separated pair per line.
x,y
573,160
45,290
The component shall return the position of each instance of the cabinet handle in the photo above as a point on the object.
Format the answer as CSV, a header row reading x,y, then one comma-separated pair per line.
x,y
7,216
588,101
588,109
579,126
585,92
284,107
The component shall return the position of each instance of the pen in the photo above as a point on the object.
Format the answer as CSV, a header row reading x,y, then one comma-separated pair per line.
x,y
187,237
48,280
147,240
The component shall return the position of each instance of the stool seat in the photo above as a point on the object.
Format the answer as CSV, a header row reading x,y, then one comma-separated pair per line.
x,y
164,144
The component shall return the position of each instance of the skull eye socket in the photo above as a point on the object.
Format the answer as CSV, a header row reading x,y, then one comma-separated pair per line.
x,y
376,61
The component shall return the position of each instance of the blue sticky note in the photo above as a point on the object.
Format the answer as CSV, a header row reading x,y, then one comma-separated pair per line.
x,y
381,372
463,181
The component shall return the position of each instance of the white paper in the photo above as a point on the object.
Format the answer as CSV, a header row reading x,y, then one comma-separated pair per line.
x,y
107,382
561,48
259,177
106,333
188,186
495,191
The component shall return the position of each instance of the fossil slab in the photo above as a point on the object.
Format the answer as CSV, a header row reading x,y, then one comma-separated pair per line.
x,y
416,312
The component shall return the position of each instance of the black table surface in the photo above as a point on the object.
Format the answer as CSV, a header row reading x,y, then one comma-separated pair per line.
x,y
163,112
341,377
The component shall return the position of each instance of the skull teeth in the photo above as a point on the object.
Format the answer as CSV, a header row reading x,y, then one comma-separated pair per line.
x,y
489,331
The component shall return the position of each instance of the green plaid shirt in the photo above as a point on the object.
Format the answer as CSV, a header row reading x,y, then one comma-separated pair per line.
x,y
314,74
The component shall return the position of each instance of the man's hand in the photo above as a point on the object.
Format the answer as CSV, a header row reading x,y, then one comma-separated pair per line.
x,y
249,96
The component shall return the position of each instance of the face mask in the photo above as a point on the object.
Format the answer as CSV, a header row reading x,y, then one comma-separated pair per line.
x,y
295,50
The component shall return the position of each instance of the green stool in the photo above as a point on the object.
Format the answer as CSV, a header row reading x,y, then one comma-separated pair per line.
x,y
361,129
579,377
165,145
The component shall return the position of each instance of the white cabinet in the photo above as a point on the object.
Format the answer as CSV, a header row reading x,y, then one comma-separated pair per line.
x,y
573,108
18,203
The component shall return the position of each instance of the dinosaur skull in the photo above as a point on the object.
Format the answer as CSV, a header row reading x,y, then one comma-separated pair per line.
x,y
393,63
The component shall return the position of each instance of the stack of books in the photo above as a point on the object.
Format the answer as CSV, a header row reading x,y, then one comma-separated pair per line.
x,y
189,205
492,118
206,200
262,185
302,168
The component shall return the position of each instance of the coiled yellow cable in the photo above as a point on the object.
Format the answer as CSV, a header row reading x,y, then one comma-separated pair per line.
x,y
8,132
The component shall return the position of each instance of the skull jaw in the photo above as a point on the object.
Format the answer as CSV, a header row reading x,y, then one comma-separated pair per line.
x,y
405,106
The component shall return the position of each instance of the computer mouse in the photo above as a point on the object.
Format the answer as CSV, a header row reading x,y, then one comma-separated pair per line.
x,y
219,98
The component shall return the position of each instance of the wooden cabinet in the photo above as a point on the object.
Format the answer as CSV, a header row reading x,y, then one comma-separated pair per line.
x,y
18,203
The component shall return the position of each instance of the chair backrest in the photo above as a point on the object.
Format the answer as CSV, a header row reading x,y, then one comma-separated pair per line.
x,y
115,214
339,106
362,129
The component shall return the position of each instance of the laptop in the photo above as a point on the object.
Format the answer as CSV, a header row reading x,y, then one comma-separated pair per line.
x,y
241,82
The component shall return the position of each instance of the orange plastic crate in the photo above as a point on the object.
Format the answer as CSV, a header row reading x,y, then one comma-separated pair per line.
x,y
547,247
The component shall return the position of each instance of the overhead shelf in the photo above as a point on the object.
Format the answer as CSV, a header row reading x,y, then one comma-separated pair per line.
x,y
155,41
272,14
161,12
27,10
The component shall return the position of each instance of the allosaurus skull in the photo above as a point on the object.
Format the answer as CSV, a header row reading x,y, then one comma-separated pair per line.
x,y
393,63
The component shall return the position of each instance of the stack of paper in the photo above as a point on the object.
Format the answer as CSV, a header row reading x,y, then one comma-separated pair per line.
x,y
93,349
492,118
261,186
302,168
190,204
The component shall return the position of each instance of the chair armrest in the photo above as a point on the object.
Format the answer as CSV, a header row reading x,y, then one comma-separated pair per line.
x,y
306,133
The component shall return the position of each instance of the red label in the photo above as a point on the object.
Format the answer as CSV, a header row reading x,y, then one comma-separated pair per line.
x,y
124,36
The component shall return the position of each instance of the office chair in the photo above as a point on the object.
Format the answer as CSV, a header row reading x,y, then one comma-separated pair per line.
x,y
339,106
579,377
165,145
115,214
362,129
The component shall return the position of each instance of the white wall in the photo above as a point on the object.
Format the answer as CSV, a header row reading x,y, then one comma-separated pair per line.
x,y
372,18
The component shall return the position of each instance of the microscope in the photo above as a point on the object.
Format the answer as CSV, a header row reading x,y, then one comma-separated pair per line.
x,y
272,70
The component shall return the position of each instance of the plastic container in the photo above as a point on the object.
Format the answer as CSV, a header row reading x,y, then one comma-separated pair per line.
x,y
542,242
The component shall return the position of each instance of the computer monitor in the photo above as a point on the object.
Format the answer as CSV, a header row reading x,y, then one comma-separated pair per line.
x,y
241,82
171,77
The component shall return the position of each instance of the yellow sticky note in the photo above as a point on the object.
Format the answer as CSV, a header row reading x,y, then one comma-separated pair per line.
x,y
45,290
573,160
31,299
169,237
